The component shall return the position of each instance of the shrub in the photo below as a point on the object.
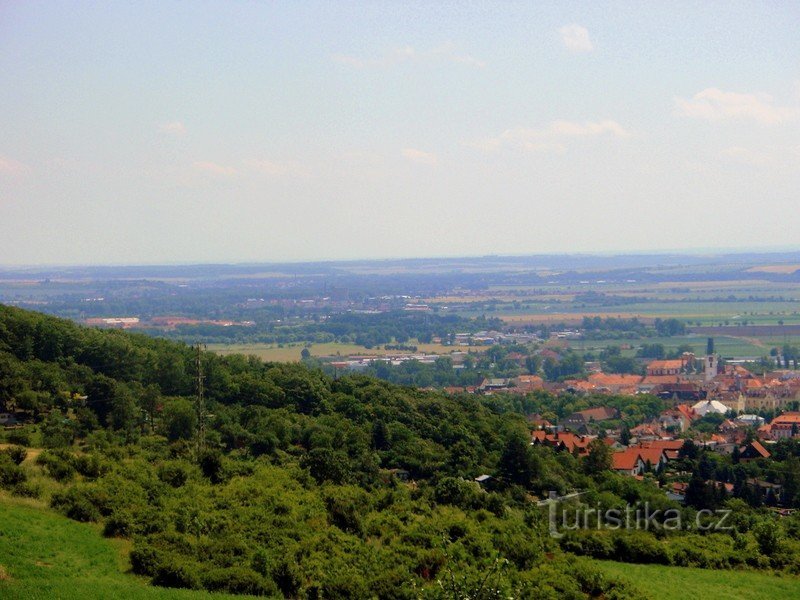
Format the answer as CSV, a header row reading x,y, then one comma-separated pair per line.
x,y
594,544
21,437
58,465
176,572
11,474
27,489
16,453
90,466
173,473
239,580
457,492
212,466
640,547
145,559
75,502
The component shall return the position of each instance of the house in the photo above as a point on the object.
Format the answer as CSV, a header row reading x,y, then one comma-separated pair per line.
x,y
485,481
770,493
7,419
706,407
647,431
579,420
637,460
679,391
753,451
666,367
537,421
628,462
488,386
671,448
677,492
528,383
615,445
753,421
674,420
654,459
615,384
783,426
574,444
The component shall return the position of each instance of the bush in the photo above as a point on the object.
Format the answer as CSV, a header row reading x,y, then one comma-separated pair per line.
x,y
27,489
640,547
90,466
145,559
212,466
173,473
594,544
76,503
58,465
16,453
457,492
11,474
239,580
21,437
176,572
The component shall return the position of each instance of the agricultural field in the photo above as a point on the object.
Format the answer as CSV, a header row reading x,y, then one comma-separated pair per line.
x,y
291,352
682,583
726,346
44,555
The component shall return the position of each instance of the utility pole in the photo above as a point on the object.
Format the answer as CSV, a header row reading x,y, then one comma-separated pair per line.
x,y
200,406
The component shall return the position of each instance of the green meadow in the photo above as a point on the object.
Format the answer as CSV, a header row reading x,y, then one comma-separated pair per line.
x,y
682,583
44,555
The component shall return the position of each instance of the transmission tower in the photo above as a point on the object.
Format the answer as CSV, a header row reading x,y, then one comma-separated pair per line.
x,y
200,405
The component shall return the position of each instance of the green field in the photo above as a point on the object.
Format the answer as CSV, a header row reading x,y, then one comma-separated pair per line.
x,y
291,352
724,345
680,583
44,555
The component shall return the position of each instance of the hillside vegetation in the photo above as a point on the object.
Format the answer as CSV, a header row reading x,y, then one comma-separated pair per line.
x,y
294,484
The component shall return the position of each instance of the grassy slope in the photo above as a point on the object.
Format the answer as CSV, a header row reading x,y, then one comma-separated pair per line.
x,y
44,555
678,583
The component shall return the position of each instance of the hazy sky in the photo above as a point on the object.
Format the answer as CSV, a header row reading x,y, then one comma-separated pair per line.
x,y
269,131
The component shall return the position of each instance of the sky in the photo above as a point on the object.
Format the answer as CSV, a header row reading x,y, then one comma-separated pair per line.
x,y
186,132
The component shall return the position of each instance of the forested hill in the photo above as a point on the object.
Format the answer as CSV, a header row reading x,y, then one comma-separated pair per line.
x,y
134,385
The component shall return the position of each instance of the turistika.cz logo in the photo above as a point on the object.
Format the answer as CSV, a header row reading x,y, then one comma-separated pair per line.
x,y
640,517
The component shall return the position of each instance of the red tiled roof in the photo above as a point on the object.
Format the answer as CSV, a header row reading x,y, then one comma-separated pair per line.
x,y
614,380
651,455
625,459
664,444
665,364
789,417
659,379
760,449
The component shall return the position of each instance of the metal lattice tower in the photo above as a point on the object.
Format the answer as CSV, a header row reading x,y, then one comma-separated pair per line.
x,y
200,405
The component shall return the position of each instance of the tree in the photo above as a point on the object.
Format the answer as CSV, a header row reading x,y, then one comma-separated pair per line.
x,y
698,494
625,435
179,420
325,464
518,465
599,458
380,435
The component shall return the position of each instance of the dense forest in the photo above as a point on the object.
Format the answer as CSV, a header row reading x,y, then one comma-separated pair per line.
x,y
288,482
